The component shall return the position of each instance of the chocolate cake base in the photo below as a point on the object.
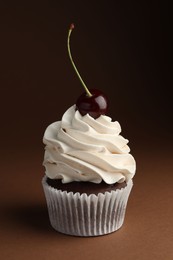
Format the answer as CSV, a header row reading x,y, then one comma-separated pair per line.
x,y
85,187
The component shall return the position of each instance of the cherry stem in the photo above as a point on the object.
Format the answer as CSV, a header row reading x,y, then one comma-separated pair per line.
x,y
73,64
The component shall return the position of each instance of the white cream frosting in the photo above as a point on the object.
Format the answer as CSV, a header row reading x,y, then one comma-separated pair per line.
x,y
81,148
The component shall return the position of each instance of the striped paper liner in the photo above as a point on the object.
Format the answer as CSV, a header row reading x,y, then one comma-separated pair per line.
x,y
86,215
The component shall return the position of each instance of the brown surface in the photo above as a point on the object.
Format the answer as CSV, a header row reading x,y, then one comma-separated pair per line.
x,y
26,232
123,49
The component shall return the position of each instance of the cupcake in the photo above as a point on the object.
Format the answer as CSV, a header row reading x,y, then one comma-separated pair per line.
x,y
88,168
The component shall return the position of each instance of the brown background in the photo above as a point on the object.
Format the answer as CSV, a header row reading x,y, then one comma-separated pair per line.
x,y
122,49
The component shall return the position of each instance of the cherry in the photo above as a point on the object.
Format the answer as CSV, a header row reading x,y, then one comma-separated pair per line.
x,y
94,105
93,101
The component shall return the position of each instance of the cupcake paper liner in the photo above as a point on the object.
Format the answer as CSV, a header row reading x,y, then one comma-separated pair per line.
x,y
86,215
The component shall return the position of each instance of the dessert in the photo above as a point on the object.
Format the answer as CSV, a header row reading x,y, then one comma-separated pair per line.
x,y
89,169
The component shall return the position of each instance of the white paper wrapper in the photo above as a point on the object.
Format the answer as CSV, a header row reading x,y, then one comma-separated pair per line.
x,y
82,215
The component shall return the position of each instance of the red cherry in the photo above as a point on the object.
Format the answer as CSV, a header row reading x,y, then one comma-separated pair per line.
x,y
92,102
94,105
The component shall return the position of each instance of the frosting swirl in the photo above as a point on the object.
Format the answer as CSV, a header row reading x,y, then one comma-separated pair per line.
x,y
81,148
